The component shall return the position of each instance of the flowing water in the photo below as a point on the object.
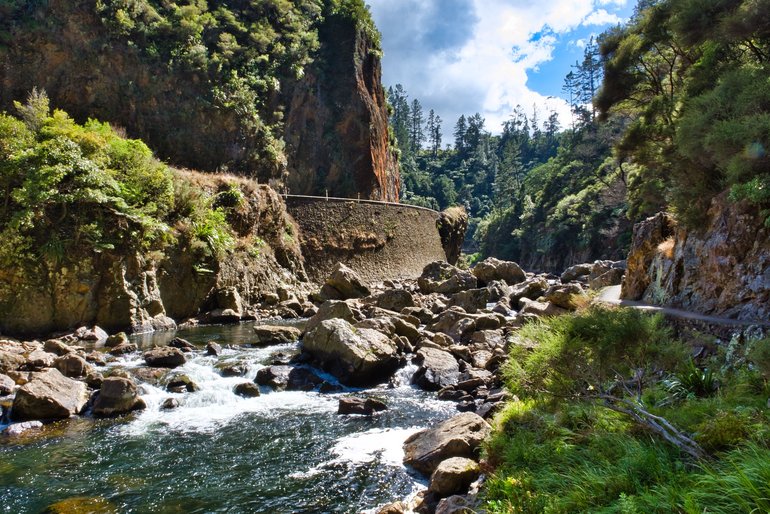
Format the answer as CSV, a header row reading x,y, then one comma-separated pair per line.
x,y
280,452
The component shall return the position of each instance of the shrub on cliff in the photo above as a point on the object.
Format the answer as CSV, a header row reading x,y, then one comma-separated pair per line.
x,y
67,187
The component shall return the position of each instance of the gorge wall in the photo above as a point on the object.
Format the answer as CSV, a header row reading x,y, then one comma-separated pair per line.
x,y
322,126
723,270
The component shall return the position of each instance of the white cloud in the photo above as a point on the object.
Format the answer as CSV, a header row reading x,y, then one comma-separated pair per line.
x,y
467,56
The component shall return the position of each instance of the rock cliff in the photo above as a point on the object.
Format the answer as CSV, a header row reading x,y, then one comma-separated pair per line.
x,y
723,270
319,117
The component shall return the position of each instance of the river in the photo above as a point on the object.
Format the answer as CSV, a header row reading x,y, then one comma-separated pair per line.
x,y
281,452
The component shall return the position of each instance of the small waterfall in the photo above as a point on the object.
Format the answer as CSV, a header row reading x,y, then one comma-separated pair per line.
x,y
403,377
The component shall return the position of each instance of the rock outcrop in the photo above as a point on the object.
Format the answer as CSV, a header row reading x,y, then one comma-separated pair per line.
x,y
452,225
724,270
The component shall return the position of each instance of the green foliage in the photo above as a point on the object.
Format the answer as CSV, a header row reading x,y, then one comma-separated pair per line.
x,y
69,188
585,355
694,79
759,355
690,382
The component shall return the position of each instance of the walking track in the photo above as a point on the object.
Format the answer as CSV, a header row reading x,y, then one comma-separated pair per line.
x,y
611,295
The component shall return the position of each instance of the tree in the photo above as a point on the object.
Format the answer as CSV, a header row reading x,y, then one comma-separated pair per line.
x,y
416,135
461,127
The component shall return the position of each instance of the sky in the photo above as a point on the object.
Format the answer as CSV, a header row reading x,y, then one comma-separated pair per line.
x,y
487,56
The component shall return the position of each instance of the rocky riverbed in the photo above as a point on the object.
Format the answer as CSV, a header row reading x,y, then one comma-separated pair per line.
x,y
381,395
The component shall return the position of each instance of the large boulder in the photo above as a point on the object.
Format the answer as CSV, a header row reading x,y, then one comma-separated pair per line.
x,y
49,395
491,269
356,356
613,277
437,369
542,309
10,361
344,283
269,335
118,395
164,357
453,476
246,390
442,277
460,436
331,309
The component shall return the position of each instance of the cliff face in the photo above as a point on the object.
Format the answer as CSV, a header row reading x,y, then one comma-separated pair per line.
x,y
723,271
325,130
337,124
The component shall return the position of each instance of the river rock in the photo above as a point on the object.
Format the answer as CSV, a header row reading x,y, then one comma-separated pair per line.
x,y
613,277
531,289
362,406
395,300
94,333
269,335
182,384
567,296
182,344
247,390
491,269
288,378
231,369
117,396
123,349
169,404
116,340
575,272
164,357
455,504
355,356
213,349
546,309
331,309
49,395
437,369
72,365
453,476
228,298
460,436
57,347
344,283
394,508
38,360
10,361
7,385
442,277
82,505
17,429
471,300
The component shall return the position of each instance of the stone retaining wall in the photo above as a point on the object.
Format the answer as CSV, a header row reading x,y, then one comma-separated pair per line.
x,y
379,240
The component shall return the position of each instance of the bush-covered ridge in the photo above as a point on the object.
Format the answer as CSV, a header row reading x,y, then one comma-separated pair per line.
x,y
561,446
205,84
68,187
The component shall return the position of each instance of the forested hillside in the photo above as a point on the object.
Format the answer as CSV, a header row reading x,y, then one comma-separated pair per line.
x,y
668,111
245,87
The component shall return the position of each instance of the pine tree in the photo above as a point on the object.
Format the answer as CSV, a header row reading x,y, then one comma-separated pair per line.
x,y
417,136
461,127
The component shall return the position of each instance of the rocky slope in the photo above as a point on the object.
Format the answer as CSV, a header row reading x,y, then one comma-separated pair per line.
x,y
316,126
145,290
723,270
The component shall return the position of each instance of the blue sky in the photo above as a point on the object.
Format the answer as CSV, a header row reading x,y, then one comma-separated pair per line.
x,y
467,56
